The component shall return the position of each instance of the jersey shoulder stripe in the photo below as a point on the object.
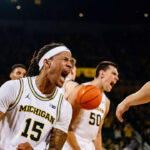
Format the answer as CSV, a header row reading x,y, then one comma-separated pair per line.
x,y
38,96
19,95
59,105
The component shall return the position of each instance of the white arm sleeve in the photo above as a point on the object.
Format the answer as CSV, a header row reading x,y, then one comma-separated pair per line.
x,y
8,94
65,116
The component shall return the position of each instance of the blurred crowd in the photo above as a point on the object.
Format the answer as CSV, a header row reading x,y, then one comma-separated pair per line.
x,y
117,136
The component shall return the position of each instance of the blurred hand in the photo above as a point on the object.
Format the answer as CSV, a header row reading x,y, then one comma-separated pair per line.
x,y
24,146
121,108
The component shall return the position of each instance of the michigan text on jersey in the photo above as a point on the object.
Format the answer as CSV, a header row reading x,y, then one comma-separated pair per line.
x,y
100,109
37,112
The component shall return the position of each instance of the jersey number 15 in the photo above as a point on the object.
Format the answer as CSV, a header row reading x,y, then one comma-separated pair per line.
x,y
36,127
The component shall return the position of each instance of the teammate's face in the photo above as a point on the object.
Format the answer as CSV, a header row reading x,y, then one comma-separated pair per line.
x,y
60,66
17,73
110,78
73,73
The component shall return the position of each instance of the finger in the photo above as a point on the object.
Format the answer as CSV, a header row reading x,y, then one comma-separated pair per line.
x,y
121,119
119,116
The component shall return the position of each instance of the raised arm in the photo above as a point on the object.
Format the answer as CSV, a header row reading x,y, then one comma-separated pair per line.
x,y
76,110
140,97
70,85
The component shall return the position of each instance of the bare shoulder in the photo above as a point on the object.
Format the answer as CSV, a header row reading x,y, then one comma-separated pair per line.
x,y
71,84
73,95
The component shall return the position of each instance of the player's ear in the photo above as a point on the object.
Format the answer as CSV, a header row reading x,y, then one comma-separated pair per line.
x,y
101,73
11,75
47,63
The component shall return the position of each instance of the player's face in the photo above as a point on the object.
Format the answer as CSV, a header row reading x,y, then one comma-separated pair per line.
x,y
110,78
60,68
17,73
73,73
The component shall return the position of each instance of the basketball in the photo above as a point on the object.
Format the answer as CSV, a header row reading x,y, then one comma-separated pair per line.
x,y
89,97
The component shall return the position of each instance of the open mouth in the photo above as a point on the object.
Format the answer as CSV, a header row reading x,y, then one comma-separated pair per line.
x,y
112,84
64,75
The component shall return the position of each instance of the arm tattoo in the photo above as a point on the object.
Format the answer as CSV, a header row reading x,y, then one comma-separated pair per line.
x,y
1,115
57,139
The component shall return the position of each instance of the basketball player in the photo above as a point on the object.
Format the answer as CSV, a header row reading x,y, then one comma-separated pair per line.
x,y
140,97
86,125
17,71
34,106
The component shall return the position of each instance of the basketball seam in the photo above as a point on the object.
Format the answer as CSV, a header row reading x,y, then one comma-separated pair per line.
x,y
86,92
91,99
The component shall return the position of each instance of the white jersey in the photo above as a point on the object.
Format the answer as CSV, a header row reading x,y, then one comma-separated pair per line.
x,y
86,126
30,115
90,121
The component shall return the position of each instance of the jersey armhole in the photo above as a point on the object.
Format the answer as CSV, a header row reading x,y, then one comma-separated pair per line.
x,y
18,97
59,105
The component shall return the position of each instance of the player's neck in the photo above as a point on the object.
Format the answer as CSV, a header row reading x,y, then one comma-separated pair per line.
x,y
97,83
44,85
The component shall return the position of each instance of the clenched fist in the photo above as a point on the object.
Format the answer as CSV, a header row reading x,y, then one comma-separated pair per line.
x,y
24,146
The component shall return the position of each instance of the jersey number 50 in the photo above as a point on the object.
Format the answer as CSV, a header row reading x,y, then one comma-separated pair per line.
x,y
37,126
95,119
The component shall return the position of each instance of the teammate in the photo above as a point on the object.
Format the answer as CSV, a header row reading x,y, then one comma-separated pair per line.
x,y
142,96
86,125
17,71
34,106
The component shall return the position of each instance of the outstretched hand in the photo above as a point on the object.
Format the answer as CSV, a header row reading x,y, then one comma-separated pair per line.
x,y
121,108
24,146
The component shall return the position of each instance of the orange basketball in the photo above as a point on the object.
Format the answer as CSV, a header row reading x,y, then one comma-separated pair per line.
x,y
89,97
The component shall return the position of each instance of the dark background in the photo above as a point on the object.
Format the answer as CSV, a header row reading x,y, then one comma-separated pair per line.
x,y
108,30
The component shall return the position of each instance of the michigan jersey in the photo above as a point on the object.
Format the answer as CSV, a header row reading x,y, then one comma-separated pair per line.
x,y
30,115
86,125
89,121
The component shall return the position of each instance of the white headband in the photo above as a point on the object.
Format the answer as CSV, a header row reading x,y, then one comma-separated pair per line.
x,y
52,53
